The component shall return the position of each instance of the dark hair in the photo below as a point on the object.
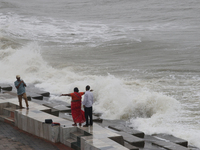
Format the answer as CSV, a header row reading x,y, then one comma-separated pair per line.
x,y
87,87
76,89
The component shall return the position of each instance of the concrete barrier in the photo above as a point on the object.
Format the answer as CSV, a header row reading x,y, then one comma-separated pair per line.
x,y
6,87
163,143
133,140
35,96
172,139
121,127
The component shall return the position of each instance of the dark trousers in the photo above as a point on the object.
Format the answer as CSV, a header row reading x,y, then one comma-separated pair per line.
x,y
88,113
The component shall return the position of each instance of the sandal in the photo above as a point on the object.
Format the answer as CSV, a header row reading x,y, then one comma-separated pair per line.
x,y
74,124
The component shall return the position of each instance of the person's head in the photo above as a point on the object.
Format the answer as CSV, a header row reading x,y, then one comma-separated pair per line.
x,y
76,89
18,77
87,87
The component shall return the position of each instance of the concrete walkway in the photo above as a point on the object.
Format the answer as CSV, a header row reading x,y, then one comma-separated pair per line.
x,y
11,138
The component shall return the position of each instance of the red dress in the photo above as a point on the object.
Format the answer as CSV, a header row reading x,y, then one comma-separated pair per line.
x,y
77,114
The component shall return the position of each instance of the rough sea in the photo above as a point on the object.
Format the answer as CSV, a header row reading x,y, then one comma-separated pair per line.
x,y
141,58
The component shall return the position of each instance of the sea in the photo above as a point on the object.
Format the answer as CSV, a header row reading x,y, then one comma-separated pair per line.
x,y
140,57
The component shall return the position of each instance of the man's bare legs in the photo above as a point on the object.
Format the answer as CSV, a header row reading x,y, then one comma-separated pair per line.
x,y
20,100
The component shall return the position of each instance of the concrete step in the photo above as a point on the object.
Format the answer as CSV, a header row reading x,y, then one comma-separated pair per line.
x,y
85,133
129,146
9,112
76,136
70,141
65,116
75,146
150,146
55,112
127,130
35,96
169,145
5,96
32,88
133,140
163,143
60,108
8,120
172,139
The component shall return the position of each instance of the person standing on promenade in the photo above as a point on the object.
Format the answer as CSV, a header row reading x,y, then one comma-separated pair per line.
x,y
21,91
87,105
77,114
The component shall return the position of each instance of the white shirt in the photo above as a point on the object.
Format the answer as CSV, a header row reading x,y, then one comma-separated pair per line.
x,y
88,99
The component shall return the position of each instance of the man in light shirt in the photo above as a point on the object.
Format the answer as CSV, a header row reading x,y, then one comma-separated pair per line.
x,y
87,105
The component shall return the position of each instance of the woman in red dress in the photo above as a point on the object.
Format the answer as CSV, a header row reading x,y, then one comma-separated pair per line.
x,y
77,114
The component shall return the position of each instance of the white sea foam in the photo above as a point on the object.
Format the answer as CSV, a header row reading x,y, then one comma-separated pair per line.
x,y
61,31
114,97
169,122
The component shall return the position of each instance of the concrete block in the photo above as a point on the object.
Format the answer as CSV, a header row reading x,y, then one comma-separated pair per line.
x,y
97,114
169,145
128,130
96,119
35,96
150,146
47,111
118,139
130,147
6,87
107,123
70,141
172,139
62,108
9,112
32,88
133,140
165,144
55,101
3,105
65,133
50,105
44,93
9,120
55,112
83,141
6,96
10,93
65,116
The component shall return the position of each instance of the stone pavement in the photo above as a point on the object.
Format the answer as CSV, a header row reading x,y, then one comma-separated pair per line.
x,y
11,138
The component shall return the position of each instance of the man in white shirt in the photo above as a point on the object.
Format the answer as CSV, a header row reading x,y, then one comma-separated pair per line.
x,y
87,105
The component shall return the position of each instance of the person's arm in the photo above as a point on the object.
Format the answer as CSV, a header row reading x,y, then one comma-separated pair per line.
x,y
82,93
18,84
23,83
65,95
85,100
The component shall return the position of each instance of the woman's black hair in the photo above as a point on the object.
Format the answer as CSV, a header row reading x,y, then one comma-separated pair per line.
x,y
76,89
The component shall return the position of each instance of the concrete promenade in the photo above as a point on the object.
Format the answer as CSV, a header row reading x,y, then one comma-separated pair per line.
x,y
11,138
62,136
